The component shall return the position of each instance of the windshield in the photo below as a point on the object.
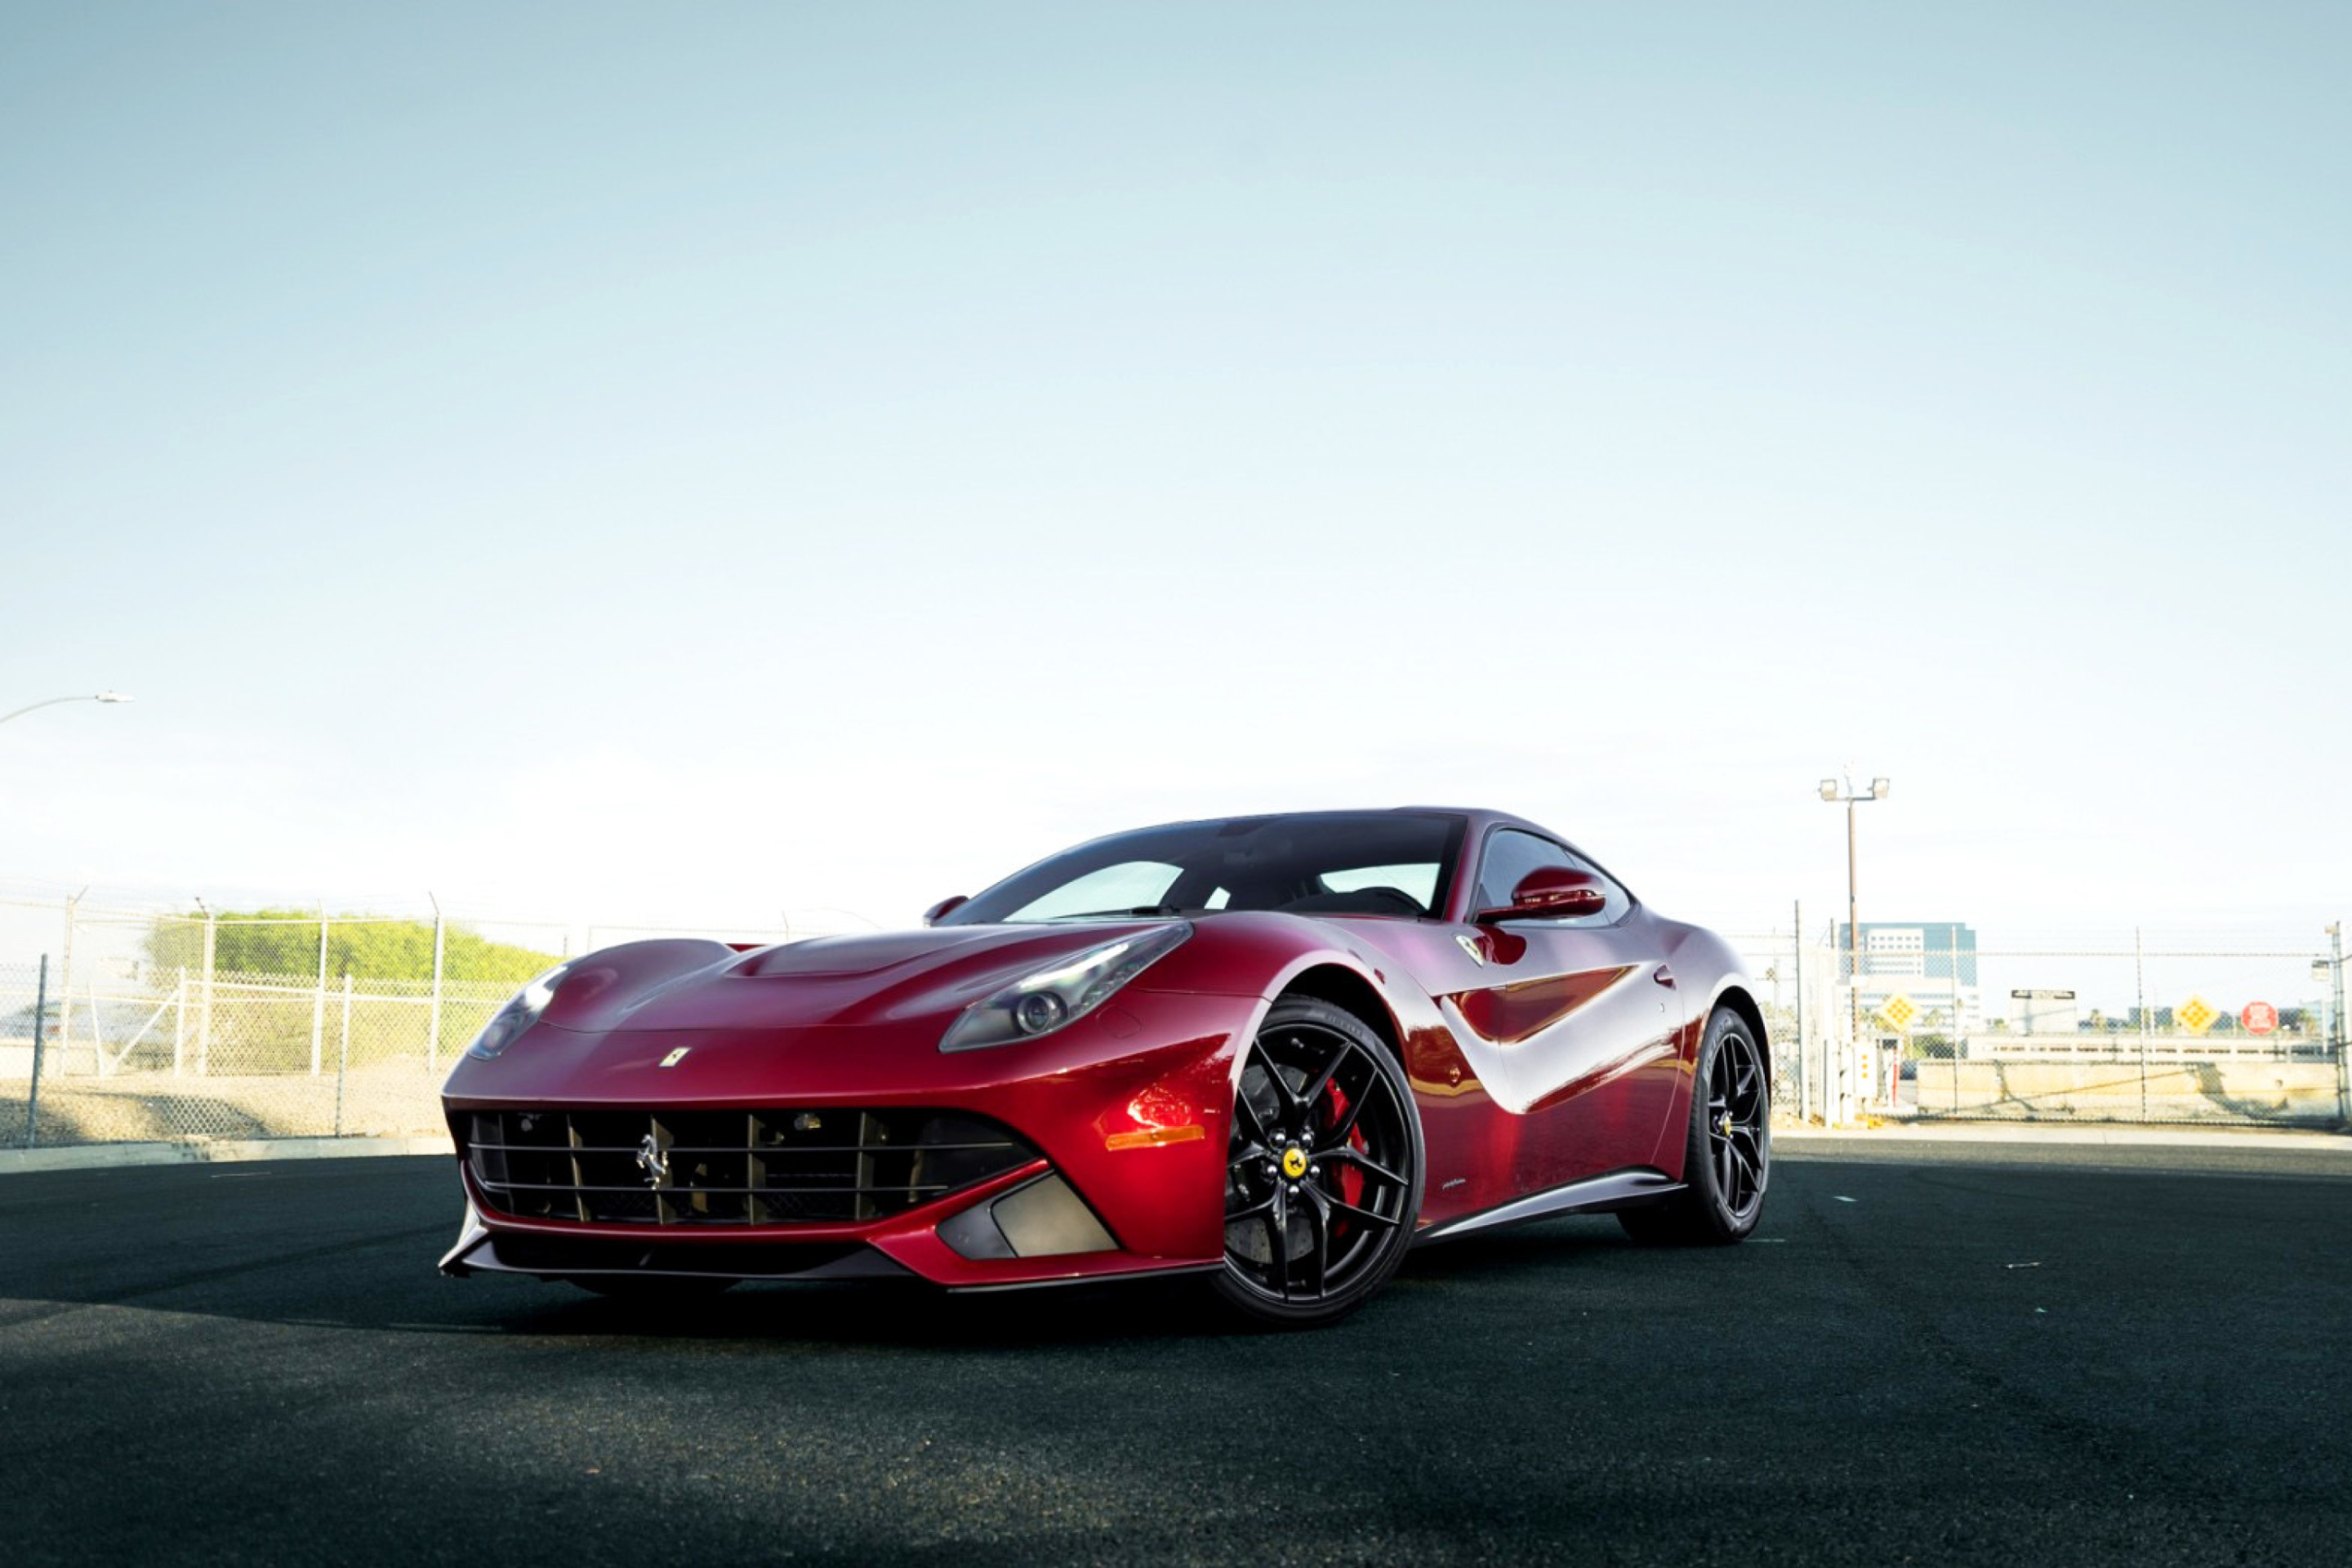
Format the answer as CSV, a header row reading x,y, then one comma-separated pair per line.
x,y
1394,863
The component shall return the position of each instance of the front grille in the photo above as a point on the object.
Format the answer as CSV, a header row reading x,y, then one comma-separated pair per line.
x,y
730,1167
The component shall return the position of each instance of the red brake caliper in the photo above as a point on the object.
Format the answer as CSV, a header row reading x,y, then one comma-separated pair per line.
x,y
1351,1180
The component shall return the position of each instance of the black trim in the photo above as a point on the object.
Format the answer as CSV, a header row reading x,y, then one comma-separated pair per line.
x,y
1636,1186
565,1256
1120,1276
699,1168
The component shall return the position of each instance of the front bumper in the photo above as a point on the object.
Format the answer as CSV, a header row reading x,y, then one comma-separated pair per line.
x,y
1126,1111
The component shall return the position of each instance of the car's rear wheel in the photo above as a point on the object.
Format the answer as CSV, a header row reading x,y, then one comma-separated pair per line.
x,y
1727,1161
1323,1172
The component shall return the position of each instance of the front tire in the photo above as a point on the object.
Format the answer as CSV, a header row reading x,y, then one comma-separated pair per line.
x,y
1727,1161
1323,1173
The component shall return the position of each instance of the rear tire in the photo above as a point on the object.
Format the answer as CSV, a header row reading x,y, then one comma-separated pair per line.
x,y
1323,1175
1728,1160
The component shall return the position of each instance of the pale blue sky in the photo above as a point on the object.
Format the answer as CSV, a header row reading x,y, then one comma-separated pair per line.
x,y
684,462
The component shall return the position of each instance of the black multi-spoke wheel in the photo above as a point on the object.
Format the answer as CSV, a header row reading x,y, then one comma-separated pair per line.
x,y
1323,1172
1728,1161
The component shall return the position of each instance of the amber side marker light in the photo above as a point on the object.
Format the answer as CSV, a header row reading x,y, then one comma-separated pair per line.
x,y
1155,1137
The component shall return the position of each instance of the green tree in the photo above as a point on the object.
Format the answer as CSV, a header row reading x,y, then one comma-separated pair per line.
x,y
366,947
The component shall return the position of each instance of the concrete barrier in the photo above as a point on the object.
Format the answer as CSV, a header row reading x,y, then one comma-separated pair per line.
x,y
2238,1091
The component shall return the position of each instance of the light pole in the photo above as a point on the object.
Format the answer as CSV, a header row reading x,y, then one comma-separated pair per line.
x,y
53,701
1839,791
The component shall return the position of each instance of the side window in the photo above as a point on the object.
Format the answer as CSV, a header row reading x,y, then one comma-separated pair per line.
x,y
1511,855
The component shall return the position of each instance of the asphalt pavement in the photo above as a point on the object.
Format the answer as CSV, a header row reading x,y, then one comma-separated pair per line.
x,y
1975,1354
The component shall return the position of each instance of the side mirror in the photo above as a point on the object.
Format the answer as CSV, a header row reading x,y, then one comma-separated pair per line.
x,y
1550,893
945,907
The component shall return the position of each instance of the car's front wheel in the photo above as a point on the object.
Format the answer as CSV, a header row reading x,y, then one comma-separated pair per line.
x,y
1323,1172
1728,1160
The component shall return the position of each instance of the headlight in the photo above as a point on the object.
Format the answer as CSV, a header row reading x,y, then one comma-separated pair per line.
x,y
517,1016
1052,998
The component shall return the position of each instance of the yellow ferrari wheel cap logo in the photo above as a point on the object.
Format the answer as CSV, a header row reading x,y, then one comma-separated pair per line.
x,y
676,1057
1294,1163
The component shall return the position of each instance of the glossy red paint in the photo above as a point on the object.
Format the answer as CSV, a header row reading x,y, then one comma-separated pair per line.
x,y
1509,1014
1067,1094
1539,1053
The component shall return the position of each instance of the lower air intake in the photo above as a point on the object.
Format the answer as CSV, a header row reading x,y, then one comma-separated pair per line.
x,y
728,1167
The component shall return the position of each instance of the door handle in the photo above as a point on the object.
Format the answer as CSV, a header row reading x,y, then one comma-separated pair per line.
x,y
1664,976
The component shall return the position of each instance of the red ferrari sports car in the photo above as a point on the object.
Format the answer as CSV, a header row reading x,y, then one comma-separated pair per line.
x,y
1277,1051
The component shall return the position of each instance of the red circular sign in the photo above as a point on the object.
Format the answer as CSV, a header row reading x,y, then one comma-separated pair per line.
x,y
2259,1017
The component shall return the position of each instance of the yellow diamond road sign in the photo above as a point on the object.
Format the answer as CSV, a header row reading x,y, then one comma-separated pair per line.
x,y
2196,1015
1897,1010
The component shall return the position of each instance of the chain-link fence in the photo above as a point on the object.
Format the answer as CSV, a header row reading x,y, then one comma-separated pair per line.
x,y
1922,1024
191,1026
228,1056
2138,1032
175,1026
1797,986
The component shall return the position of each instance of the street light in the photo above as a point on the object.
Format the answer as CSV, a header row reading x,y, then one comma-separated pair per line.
x,y
53,701
1839,791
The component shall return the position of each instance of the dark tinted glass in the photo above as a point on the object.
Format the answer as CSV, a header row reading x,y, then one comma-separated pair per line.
x,y
1311,863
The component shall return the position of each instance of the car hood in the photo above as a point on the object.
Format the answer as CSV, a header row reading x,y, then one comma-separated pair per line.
x,y
834,979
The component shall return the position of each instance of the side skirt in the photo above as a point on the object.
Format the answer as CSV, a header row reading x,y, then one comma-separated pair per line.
x,y
1629,1188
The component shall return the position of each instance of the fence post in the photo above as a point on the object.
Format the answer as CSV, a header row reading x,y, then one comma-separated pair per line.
x,y
180,1021
205,1007
65,973
344,1058
1822,1025
1797,968
1955,1043
2335,1019
432,1024
2139,984
40,1023
1849,1044
99,1065
319,997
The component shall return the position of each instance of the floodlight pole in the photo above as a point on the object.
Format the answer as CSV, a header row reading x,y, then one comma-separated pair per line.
x,y
1853,932
1841,791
